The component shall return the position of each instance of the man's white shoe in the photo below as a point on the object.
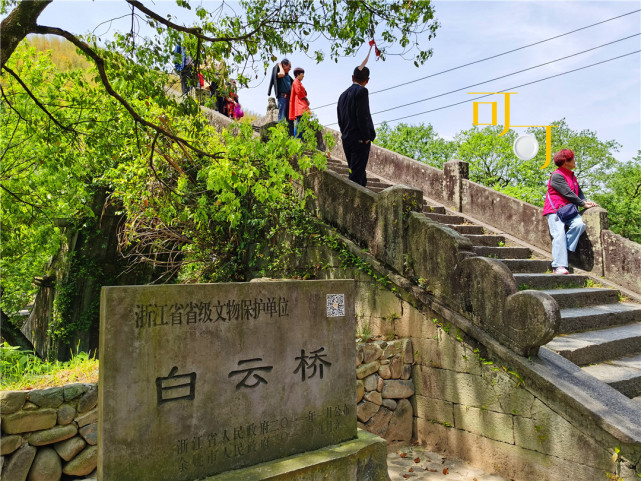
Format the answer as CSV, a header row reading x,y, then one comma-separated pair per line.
x,y
561,270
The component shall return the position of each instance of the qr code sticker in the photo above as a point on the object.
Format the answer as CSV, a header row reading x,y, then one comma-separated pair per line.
x,y
335,305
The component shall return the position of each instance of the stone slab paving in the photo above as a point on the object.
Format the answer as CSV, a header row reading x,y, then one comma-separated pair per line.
x,y
420,464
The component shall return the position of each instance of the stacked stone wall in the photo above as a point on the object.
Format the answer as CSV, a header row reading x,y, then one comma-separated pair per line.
x,y
384,386
48,434
472,404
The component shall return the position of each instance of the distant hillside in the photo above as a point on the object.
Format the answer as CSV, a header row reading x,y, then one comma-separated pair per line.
x,y
63,53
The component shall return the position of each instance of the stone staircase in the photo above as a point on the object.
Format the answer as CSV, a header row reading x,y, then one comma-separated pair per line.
x,y
600,331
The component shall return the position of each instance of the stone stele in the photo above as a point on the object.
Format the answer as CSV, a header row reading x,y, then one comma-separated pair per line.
x,y
196,380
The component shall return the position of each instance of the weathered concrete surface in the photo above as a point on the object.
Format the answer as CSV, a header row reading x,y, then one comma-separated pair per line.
x,y
361,459
511,215
522,320
435,253
266,370
622,260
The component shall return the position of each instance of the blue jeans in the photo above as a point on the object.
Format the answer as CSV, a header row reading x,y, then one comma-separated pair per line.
x,y
283,114
563,242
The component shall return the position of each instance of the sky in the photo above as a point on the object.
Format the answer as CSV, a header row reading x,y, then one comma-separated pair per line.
x,y
605,98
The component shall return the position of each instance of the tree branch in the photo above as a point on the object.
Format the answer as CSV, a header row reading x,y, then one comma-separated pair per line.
x,y
37,102
17,25
100,64
3,187
196,31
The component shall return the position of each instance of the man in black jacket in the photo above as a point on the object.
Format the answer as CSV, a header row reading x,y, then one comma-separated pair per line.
x,y
357,128
281,81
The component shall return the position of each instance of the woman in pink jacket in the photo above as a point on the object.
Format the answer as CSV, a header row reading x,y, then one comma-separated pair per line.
x,y
298,102
563,189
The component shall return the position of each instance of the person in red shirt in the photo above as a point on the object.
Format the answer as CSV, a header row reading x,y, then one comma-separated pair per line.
x,y
298,103
563,188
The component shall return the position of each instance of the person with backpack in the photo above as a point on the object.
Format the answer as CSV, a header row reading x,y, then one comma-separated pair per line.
x,y
563,198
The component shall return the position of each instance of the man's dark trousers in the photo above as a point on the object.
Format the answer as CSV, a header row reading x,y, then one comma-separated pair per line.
x,y
283,113
357,154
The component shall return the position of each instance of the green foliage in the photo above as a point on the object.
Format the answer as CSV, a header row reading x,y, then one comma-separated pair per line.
x,y
615,185
419,142
258,30
622,198
217,219
21,369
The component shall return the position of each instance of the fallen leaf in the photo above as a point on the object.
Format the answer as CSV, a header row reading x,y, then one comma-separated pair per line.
x,y
445,471
403,455
417,460
411,470
406,476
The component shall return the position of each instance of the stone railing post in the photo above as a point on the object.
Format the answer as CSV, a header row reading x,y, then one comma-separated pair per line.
x,y
393,207
589,254
454,171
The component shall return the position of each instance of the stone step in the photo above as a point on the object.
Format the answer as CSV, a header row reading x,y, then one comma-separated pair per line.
x,y
578,319
377,183
503,252
375,189
445,218
433,209
339,169
485,239
531,266
549,281
466,228
623,374
583,348
583,296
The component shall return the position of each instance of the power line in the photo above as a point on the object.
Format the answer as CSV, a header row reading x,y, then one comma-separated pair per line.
x,y
493,56
506,75
508,89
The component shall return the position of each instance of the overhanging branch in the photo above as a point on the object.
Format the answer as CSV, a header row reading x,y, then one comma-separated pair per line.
x,y
100,65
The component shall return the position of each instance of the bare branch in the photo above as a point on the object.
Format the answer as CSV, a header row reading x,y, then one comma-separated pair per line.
x,y
196,31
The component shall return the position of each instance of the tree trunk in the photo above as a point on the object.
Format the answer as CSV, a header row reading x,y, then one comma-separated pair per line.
x,y
18,24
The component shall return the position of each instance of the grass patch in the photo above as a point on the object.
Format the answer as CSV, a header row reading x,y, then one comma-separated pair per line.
x,y
23,370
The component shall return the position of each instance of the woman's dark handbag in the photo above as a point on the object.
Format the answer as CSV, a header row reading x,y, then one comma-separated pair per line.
x,y
566,212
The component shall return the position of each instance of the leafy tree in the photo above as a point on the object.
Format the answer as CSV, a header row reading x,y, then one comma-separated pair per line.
x,y
622,198
615,185
594,157
250,36
419,142
206,204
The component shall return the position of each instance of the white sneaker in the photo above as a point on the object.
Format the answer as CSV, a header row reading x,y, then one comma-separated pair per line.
x,y
561,270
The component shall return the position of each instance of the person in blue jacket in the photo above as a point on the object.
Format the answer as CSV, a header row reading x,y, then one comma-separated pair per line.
x,y
185,68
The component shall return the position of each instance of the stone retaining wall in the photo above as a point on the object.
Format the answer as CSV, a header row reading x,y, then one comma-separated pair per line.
x,y
48,433
522,418
452,187
384,386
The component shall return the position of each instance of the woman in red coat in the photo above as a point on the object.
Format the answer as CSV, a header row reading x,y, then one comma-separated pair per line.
x,y
298,102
